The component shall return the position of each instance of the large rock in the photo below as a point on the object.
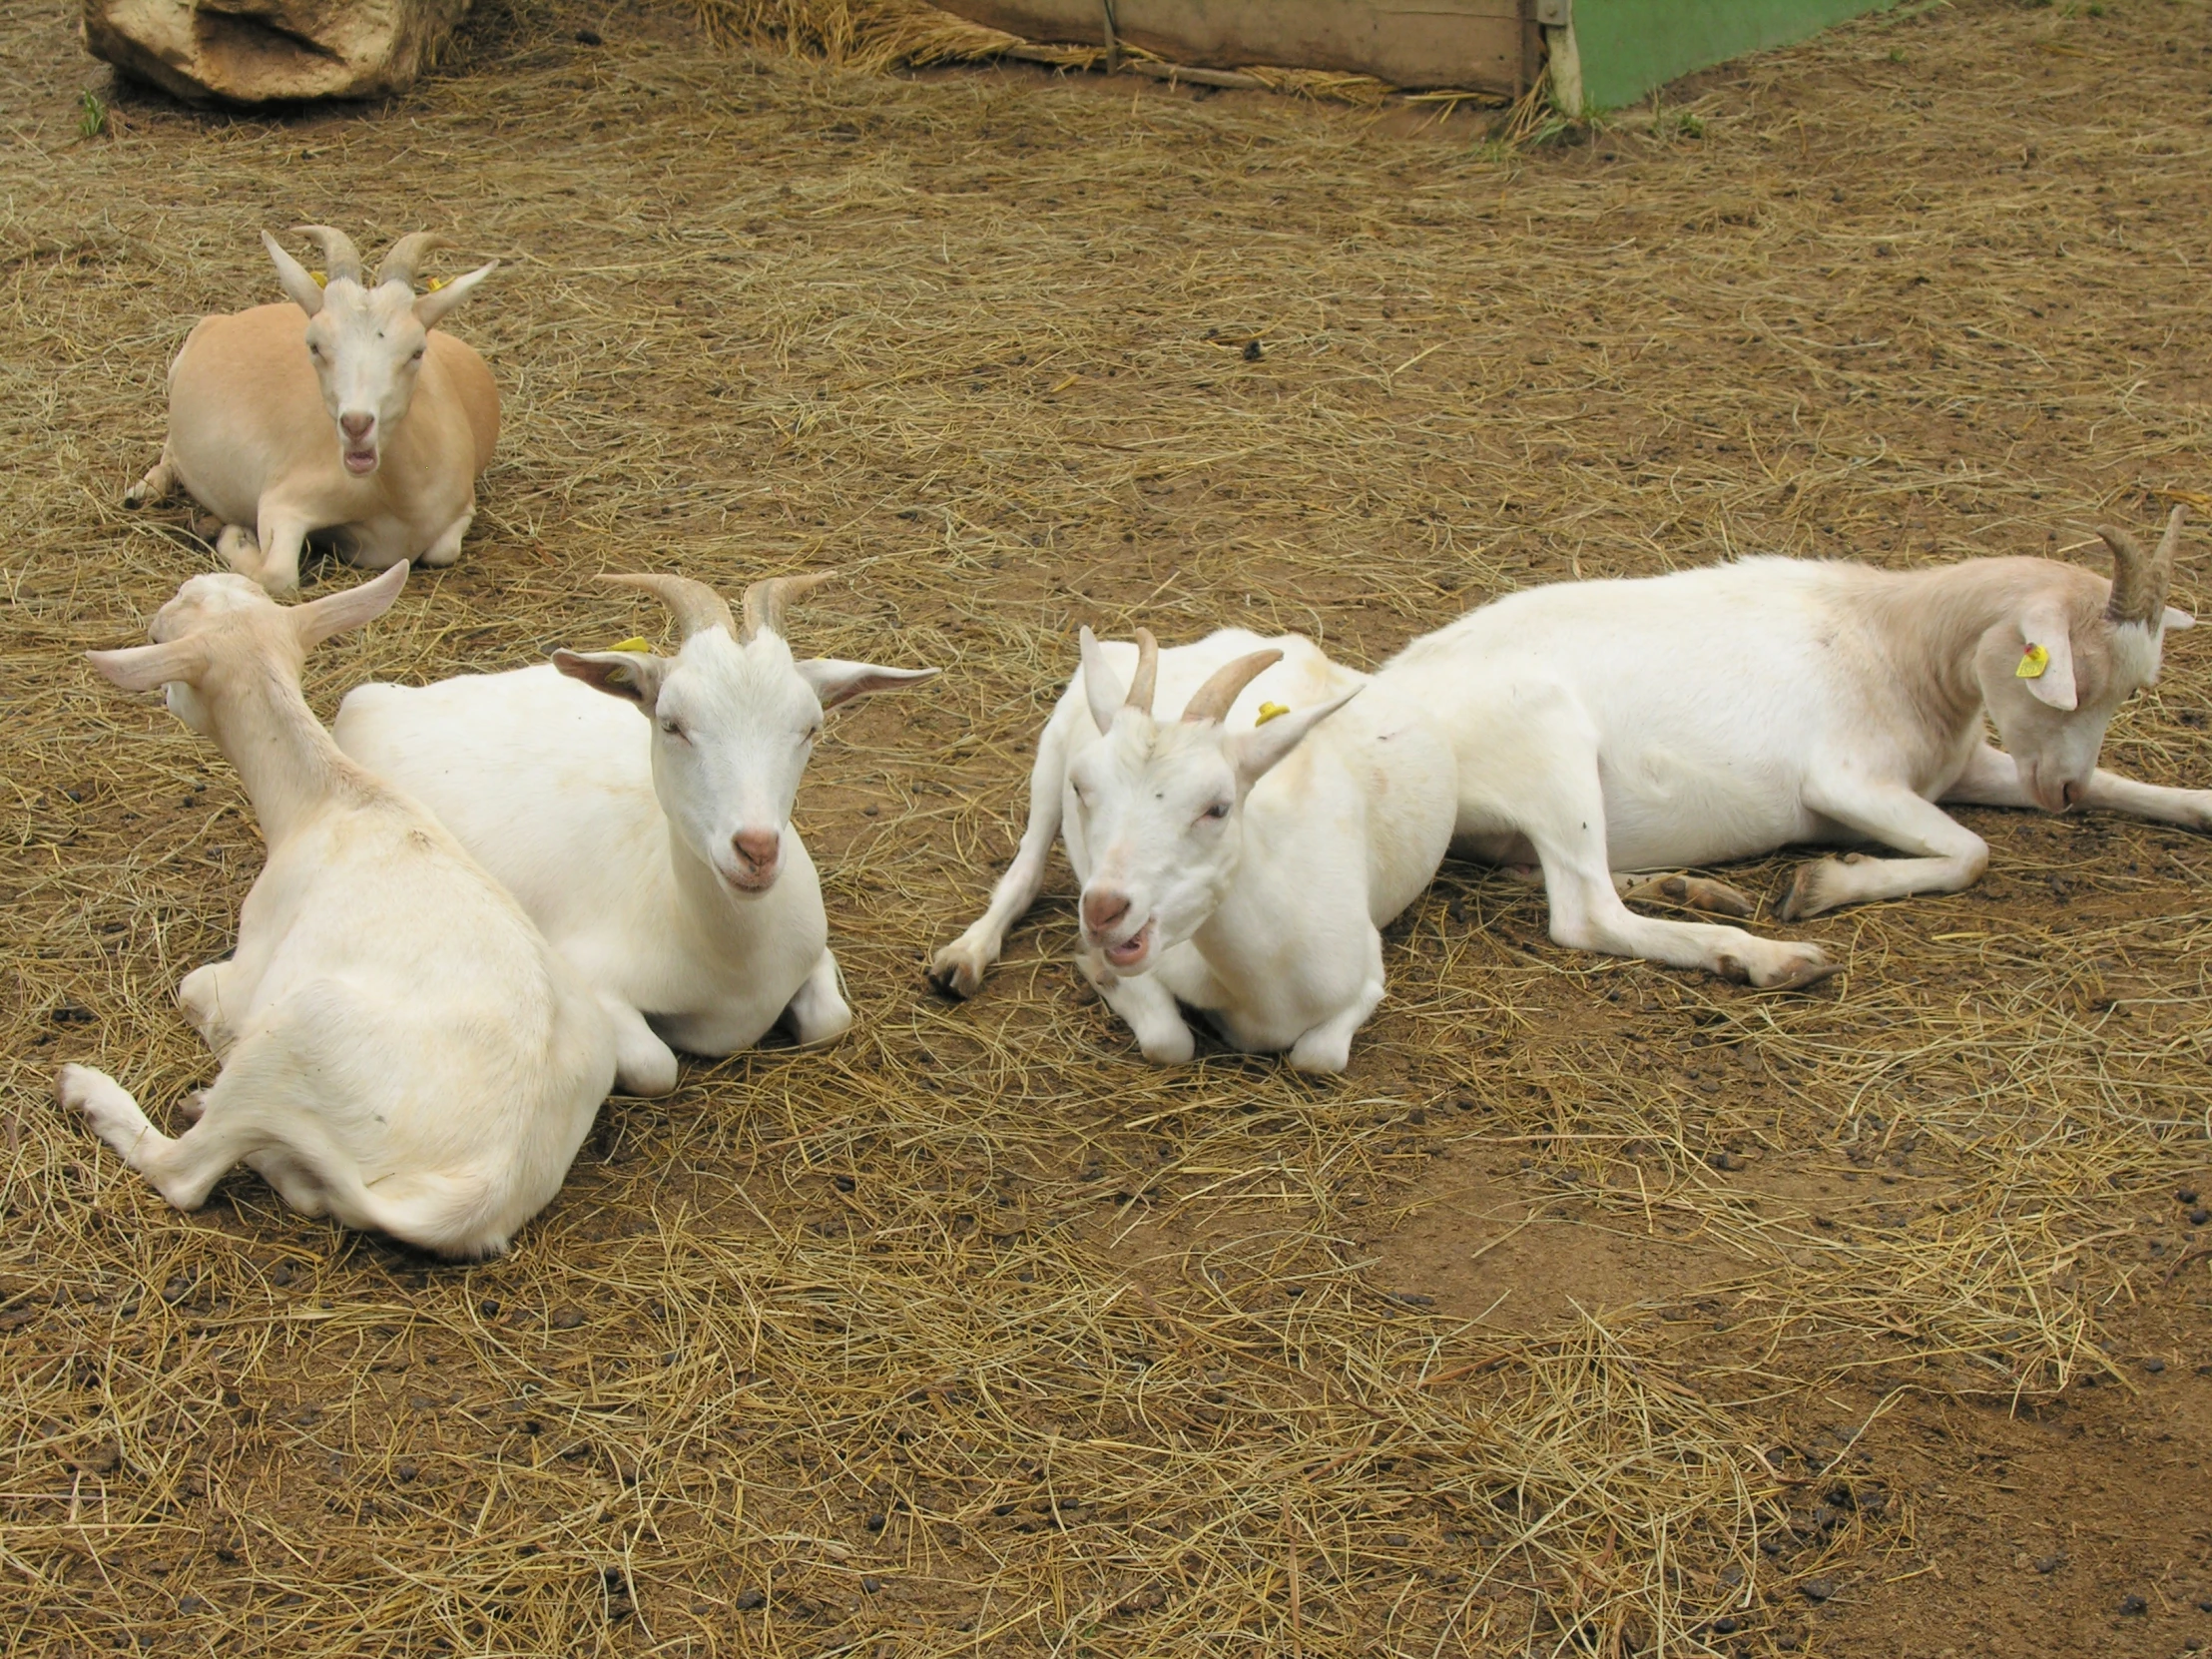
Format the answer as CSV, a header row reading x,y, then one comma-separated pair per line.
x,y
269,51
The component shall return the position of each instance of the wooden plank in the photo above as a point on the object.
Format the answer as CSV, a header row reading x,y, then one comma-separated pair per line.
x,y
1477,44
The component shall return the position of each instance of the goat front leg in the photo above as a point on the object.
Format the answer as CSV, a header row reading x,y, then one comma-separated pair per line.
x,y
447,547
1146,1006
1946,855
1993,779
644,1065
1326,1047
818,1012
960,967
1565,821
182,1169
282,534
160,479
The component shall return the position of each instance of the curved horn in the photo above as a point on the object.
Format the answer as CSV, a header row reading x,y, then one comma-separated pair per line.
x,y
1214,699
1148,673
342,260
765,601
695,606
400,264
2139,581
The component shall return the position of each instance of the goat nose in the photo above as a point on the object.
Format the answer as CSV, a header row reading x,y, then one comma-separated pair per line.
x,y
757,847
1103,909
2069,791
355,425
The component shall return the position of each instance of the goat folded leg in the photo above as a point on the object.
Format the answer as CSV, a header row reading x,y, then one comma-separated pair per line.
x,y
160,479
644,1065
1946,855
1691,892
1147,1007
819,1013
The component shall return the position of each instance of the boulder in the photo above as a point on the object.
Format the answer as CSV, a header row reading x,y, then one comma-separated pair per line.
x,y
271,50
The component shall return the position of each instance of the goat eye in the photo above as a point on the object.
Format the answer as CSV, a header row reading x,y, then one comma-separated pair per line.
x,y
1218,810
672,728
417,357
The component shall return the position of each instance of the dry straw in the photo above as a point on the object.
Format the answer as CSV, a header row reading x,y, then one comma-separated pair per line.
x,y
849,1350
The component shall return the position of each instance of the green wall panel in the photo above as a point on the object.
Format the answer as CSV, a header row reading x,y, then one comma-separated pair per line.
x,y
1630,46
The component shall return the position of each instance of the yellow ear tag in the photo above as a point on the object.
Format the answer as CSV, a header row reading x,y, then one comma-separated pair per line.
x,y
1270,711
2032,663
321,279
436,283
633,643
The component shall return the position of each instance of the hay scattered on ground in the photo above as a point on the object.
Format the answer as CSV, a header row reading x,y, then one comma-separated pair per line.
x,y
839,1351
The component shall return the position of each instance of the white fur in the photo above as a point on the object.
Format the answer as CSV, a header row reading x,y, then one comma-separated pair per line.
x,y
1720,714
400,1048
1267,918
623,839
340,414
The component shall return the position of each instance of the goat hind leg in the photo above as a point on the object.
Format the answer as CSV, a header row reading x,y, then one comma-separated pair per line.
x,y
1691,892
1567,822
447,547
182,1169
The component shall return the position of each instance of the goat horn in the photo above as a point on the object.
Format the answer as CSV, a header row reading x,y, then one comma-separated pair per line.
x,y
765,601
2138,581
2162,562
1148,673
1212,698
400,263
695,606
342,260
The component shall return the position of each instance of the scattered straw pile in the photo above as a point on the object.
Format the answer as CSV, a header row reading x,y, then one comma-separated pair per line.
x,y
854,1351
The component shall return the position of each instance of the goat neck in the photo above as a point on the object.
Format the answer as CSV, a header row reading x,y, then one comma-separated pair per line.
x,y
257,715
1930,623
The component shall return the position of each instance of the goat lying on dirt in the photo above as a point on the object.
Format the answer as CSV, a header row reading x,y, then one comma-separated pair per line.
x,y
1239,860
400,1048
657,853
1721,714
253,398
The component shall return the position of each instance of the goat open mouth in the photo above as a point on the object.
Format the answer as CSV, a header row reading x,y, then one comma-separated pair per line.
x,y
1131,950
361,462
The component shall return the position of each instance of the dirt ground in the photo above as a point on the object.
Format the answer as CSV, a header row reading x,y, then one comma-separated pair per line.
x,y
1598,1309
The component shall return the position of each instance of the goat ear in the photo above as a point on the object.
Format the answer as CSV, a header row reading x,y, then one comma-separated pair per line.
x,y
321,618
2175,620
142,667
2044,628
1255,752
1102,687
633,676
429,308
305,291
837,681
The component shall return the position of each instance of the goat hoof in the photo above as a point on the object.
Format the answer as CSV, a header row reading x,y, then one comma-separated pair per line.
x,y
1800,898
953,976
1805,974
1732,969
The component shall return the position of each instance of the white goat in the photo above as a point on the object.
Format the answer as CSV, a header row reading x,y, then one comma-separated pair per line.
x,y
1226,863
400,1048
253,398
1724,713
660,858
